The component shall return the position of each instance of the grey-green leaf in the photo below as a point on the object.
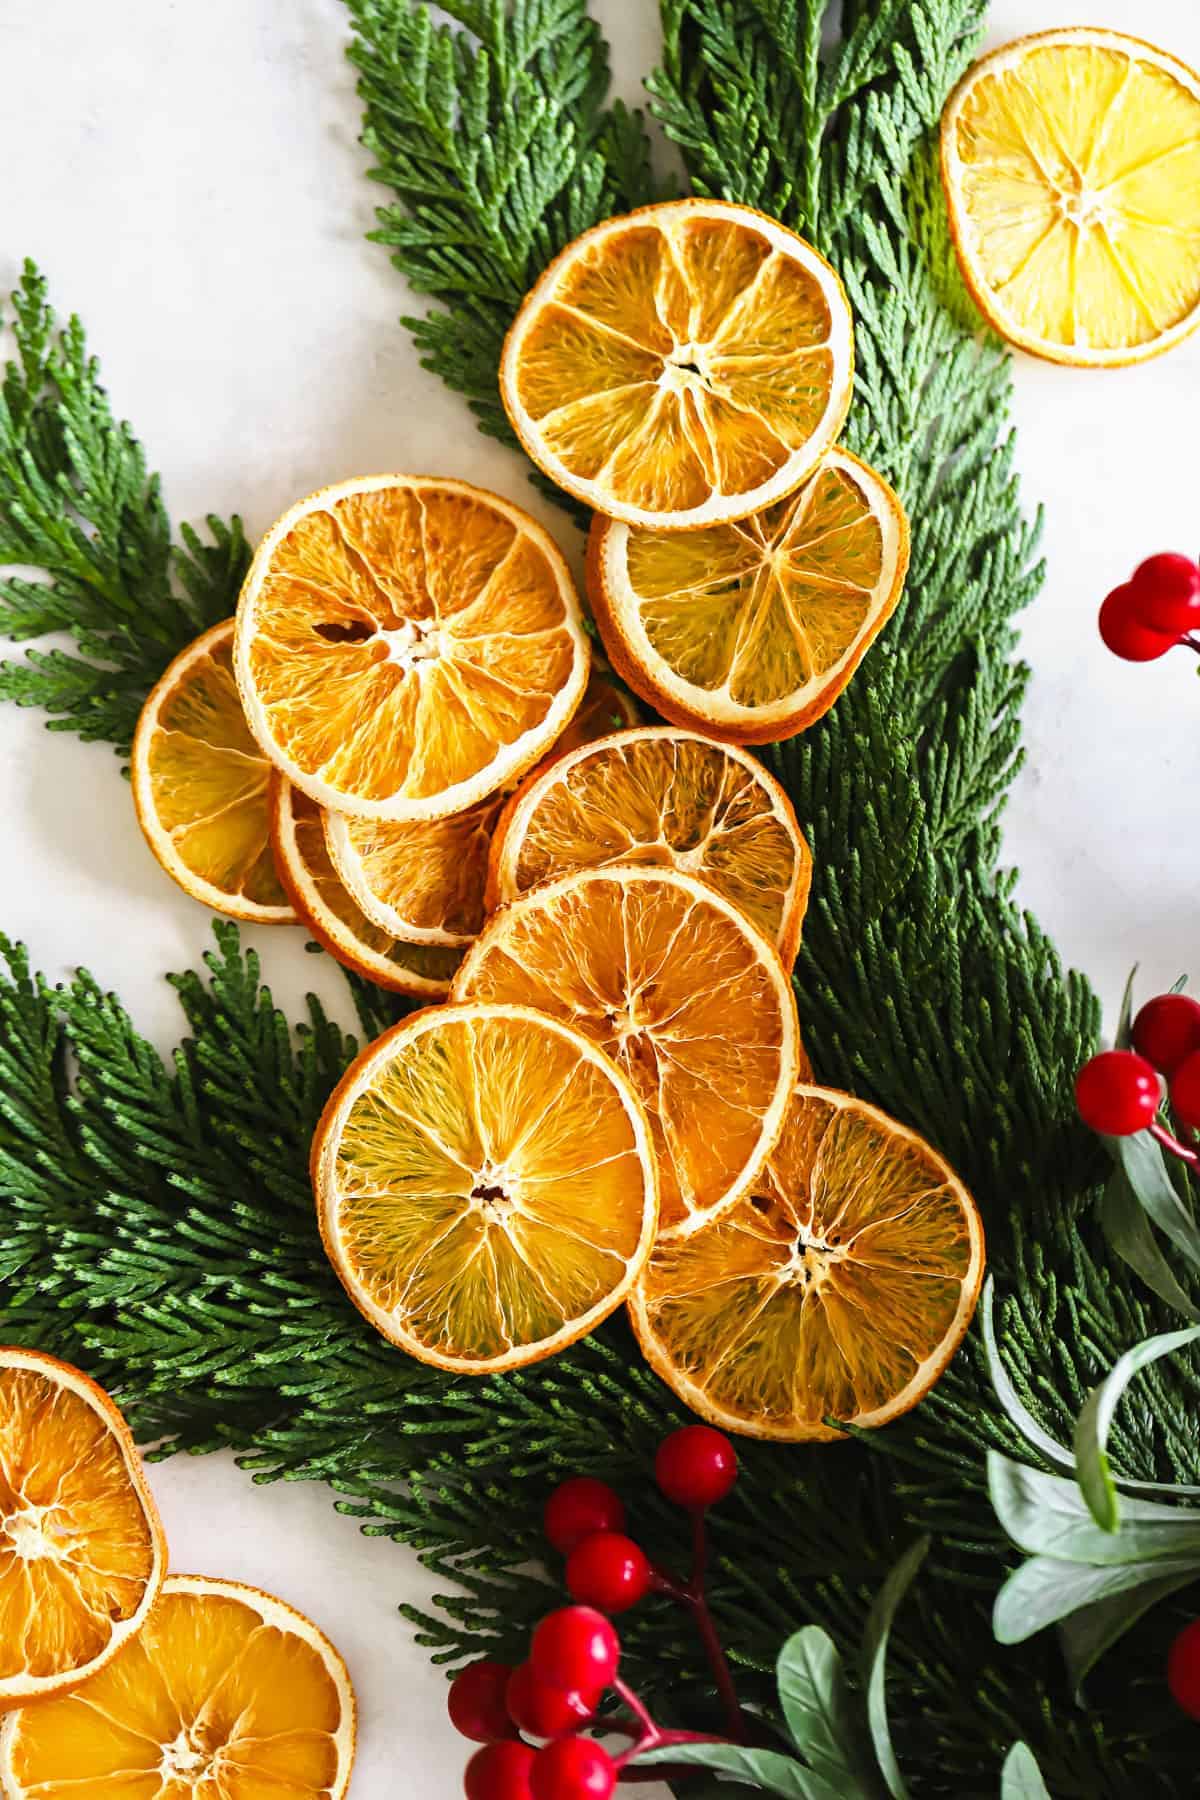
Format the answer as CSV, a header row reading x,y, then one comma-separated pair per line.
x,y
1125,1017
1142,1160
1127,1229
1033,1433
1046,1589
1046,1515
1088,1633
764,1769
1095,1421
874,1662
816,1705
1020,1778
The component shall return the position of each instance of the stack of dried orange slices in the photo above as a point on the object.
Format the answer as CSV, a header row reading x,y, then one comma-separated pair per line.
x,y
117,1678
398,743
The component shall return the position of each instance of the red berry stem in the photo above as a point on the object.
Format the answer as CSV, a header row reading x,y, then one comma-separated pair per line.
x,y
1174,1146
691,1593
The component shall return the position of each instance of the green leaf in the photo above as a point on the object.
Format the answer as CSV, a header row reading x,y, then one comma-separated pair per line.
x,y
764,1769
1087,1633
1141,1158
1020,1778
816,1706
1095,1422
1006,1393
1046,1589
874,1662
1125,1016
1046,1515
1127,1229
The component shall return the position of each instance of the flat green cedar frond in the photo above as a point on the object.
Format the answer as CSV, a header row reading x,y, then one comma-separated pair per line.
x,y
85,544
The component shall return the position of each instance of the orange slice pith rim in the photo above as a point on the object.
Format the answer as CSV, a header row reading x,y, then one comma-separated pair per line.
x,y
690,1000
405,645
661,797
683,364
82,1552
422,971
839,1288
1071,164
749,631
485,1185
227,1694
424,883
200,786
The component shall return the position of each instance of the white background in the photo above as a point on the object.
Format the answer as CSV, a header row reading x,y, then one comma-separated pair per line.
x,y
189,178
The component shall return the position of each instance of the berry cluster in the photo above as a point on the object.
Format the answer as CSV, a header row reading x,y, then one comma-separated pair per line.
x,y
1120,1091
575,1653
1156,609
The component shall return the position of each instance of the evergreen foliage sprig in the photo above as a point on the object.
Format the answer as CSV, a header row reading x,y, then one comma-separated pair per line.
x,y
85,543
158,1221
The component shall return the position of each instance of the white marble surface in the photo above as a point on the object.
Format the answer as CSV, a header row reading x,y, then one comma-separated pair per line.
x,y
189,178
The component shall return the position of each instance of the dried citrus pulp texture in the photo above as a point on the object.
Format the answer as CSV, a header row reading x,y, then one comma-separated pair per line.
x,y
486,1186
840,1287
1071,162
82,1555
226,1694
661,797
689,999
422,971
681,365
405,646
200,786
751,630
424,882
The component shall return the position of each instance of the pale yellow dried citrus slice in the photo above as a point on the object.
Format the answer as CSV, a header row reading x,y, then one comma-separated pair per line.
x,y
82,1554
226,1694
200,786
1071,163
661,798
840,1287
486,1186
675,983
406,646
422,971
423,883
750,631
681,365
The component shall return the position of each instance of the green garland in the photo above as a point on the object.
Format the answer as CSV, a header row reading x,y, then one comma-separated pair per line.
x,y
158,1221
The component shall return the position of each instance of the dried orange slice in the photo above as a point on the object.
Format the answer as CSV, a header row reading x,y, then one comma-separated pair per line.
x,y
200,786
423,883
485,1183
840,1287
82,1554
664,798
677,985
750,631
683,365
227,1694
405,646
1071,163
422,971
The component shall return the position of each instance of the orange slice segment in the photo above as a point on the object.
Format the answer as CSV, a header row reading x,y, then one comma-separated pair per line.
x,y
690,1000
82,1554
423,883
422,971
750,631
486,1188
680,366
840,1287
200,786
227,1694
1071,163
405,646
663,798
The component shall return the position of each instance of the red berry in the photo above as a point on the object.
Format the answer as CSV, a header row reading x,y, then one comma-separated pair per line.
x,y
1185,1091
1167,1029
579,1507
1117,1093
501,1772
608,1571
1125,634
1167,588
577,1649
1183,1670
545,1712
696,1466
478,1702
573,1769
